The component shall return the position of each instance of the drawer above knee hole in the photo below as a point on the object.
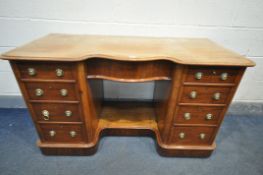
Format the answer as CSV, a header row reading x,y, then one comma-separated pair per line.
x,y
129,71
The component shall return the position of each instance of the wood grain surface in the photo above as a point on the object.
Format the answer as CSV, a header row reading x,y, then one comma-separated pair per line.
x,y
64,47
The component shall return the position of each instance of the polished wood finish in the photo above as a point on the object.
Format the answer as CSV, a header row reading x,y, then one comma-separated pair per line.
x,y
198,115
204,94
192,135
57,112
47,70
161,99
127,115
188,51
166,104
183,123
51,91
89,101
212,74
129,71
62,133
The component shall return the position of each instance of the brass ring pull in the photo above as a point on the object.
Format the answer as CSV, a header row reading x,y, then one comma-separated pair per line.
x,y
209,116
39,92
45,114
193,95
59,72
198,75
31,71
181,135
63,92
52,133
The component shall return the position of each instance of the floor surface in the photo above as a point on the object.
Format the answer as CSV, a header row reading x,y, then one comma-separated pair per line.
x,y
239,151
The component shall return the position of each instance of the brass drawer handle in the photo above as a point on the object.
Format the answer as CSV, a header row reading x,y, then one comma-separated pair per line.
x,y
45,114
224,76
187,116
68,113
181,135
39,92
193,94
73,134
63,92
202,136
59,72
198,75
31,71
209,116
52,133
216,96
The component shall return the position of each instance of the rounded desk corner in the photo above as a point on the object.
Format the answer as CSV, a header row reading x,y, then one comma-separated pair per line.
x,y
82,149
186,151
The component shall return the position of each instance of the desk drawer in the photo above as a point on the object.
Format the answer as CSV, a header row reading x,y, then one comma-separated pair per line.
x,y
192,135
197,94
198,115
57,112
46,70
51,91
212,74
62,133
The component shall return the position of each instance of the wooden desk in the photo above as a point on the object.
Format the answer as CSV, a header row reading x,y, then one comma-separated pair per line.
x,y
61,79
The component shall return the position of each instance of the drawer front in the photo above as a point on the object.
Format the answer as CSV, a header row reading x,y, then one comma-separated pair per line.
x,y
198,115
51,91
57,112
192,135
62,133
44,70
197,94
212,74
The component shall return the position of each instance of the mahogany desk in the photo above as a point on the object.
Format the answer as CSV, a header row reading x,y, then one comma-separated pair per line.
x,y
61,79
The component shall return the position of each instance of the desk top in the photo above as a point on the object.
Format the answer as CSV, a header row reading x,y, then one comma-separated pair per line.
x,y
64,47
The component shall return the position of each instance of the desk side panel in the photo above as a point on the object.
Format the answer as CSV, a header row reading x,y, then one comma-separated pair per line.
x,y
165,97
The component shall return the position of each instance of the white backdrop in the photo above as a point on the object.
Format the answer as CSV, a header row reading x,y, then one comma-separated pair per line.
x,y
236,24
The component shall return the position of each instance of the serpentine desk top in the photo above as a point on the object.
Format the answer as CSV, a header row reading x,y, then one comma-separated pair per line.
x,y
65,47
